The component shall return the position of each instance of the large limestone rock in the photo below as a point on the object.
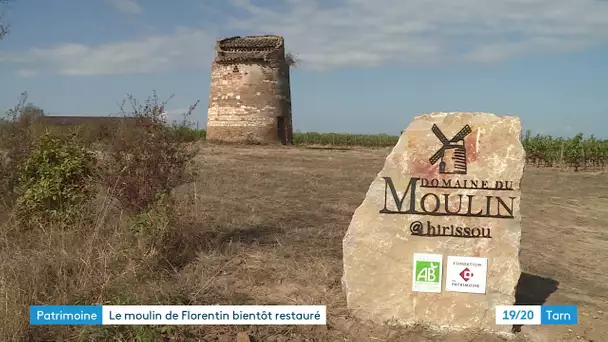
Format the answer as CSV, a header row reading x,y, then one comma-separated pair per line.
x,y
471,165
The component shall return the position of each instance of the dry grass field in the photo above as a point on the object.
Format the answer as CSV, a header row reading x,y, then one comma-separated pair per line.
x,y
264,225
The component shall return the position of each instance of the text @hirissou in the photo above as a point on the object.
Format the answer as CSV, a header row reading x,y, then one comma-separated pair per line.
x,y
178,315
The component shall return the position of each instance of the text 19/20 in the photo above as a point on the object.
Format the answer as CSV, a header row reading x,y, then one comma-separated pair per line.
x,y
526,315
518,315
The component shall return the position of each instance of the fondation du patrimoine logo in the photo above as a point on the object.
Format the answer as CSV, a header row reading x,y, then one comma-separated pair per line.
x,y
452,157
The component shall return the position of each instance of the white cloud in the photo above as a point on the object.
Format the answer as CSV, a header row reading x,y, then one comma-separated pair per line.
x,y
27,73
126,6
371,32
361,33
185,48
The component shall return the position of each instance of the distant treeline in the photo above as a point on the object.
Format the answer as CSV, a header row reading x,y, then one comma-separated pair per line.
x,y
344,139
541,150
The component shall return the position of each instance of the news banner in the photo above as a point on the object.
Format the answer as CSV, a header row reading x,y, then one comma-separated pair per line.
x,y
178,315
255,315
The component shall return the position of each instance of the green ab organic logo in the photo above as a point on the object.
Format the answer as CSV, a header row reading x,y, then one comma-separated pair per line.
x,y
427,271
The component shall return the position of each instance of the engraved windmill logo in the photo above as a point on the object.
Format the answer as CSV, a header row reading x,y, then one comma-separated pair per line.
x,y
453,154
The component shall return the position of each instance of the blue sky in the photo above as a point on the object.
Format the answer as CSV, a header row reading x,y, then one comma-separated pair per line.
x,y
367,66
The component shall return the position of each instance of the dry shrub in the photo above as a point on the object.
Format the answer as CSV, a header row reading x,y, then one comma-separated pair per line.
x,y
96,135
112,257
18,132
145,160
119,261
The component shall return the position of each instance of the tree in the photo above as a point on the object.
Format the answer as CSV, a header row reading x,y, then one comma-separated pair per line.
x,y
4,27
30,113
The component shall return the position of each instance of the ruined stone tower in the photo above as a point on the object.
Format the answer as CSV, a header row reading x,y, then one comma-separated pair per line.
x,y
250,98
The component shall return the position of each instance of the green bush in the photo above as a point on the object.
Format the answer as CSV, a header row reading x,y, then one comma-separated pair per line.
x,y
54,181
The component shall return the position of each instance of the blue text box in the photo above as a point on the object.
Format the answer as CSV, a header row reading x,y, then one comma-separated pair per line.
x,y
65,315
559,314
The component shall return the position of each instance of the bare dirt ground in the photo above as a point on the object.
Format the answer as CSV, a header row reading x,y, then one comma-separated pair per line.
x,y
267,227
290,207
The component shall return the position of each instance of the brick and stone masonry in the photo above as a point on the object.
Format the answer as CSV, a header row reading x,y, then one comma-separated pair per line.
x,y
250,97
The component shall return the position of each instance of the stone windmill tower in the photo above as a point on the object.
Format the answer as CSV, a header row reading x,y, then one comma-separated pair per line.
x,y
250,97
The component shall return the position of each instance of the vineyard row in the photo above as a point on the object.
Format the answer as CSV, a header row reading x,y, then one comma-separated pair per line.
x,y
541,150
